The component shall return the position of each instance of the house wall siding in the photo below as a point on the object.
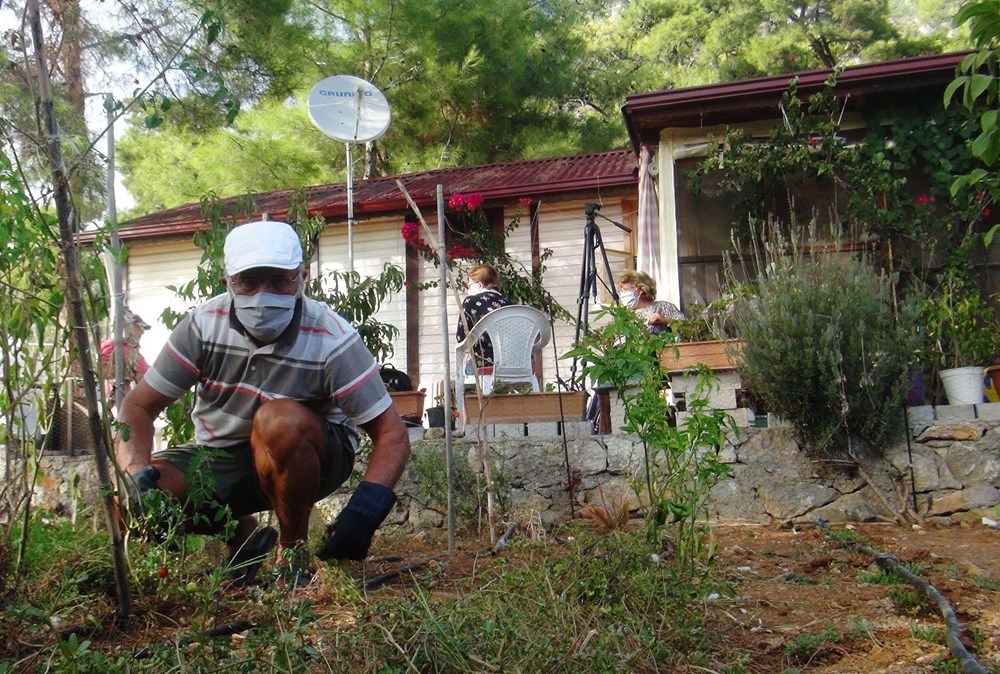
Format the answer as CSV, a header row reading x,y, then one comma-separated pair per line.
x,y
376,243
152,267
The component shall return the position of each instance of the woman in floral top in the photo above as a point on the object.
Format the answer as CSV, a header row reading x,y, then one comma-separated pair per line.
x,y
637,291
483,298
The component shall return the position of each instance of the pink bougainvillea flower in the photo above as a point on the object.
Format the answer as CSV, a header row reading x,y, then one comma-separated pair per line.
x,y
524,201
924,199
474,201
410,232
456,201
986,214
460,251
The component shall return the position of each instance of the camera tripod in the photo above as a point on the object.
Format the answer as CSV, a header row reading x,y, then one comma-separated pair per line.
x,y
589,279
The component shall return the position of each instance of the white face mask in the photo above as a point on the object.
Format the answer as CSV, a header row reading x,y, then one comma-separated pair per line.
x,y
475,288
628,298
265,315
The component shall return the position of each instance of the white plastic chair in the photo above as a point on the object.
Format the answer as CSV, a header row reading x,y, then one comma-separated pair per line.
x,y
517,332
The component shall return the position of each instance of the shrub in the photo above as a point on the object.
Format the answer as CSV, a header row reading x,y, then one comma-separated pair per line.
x,y
827,347
680,465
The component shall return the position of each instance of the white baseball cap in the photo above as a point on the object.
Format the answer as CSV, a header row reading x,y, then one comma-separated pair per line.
x,y
264,243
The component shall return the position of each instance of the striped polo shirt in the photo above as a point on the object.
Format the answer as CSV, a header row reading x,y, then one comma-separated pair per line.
x,y
319,360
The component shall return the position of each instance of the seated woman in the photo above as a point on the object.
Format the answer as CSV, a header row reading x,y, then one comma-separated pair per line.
x,y
484,296
637,291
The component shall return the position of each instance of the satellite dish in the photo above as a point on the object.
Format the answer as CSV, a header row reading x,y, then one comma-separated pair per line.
x,y
348,109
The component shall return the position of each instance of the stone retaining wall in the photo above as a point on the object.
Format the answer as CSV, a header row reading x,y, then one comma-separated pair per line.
x,y
955,463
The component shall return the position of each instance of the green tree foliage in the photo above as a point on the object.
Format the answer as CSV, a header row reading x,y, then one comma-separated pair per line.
x,y
649,45
272,146
978,83
496,80
468,83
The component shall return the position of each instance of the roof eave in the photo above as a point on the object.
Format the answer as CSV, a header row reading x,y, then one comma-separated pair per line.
x,y
384,207
648,113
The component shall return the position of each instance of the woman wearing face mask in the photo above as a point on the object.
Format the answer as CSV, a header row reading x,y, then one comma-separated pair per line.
x,y
484,296
637,291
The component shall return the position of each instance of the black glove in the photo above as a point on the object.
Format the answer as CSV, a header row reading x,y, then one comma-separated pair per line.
x,y
350,535
138,484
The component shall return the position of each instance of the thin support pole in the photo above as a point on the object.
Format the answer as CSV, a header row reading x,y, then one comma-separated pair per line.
x,y
350,208
443,293
117,292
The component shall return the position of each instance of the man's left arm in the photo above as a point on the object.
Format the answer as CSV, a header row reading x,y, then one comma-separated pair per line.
x,y
350,535
391,448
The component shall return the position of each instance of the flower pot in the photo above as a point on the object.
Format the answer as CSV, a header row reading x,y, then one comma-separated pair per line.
x,y
993,377
714,354
435,417
963,385
526,408
409,404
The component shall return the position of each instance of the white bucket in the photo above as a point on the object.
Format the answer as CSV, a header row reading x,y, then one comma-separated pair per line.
x,y
963,385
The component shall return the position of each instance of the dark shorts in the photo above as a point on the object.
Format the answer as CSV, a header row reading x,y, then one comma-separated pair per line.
x,y
235,478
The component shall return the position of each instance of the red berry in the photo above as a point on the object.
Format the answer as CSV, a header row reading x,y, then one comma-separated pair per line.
x,y
163,572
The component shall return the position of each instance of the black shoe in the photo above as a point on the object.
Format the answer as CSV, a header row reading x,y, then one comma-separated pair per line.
x,y
243,566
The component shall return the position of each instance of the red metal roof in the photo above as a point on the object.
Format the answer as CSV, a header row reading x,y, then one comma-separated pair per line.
x,y
882,84
498,183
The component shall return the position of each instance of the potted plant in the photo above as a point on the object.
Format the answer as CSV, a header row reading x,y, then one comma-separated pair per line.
x,y
435,413
962,336
705,337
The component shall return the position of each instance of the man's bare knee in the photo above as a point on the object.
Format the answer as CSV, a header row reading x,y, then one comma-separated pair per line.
x,y
286,423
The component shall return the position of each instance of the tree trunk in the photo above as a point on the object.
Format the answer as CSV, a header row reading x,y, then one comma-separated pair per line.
x,y
80,337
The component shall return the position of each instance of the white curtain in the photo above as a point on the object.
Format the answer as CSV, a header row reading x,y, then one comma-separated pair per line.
x,y
648,218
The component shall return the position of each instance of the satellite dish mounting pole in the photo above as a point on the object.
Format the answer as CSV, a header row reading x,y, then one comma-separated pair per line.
x,y
351,110
350,207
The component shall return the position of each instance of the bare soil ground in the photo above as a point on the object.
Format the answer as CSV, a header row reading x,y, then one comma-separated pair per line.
x,y
793,583
798,598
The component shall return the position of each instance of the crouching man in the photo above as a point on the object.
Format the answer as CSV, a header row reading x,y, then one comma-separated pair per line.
x,y
283,382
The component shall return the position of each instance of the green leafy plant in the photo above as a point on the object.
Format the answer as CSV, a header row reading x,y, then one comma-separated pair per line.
x,y
807,646
961,325
429,467
826,345
888,182
358,299
978,86
930,633
904,599
680,465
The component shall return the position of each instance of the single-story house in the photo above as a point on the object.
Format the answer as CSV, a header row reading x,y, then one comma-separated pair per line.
x,y
161,252
677,237
678,126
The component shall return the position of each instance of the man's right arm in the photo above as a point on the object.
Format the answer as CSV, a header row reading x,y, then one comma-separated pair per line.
x,y
138,411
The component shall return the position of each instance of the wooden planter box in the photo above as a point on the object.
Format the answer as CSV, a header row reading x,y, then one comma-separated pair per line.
x,y
409,404
715,354
516,408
